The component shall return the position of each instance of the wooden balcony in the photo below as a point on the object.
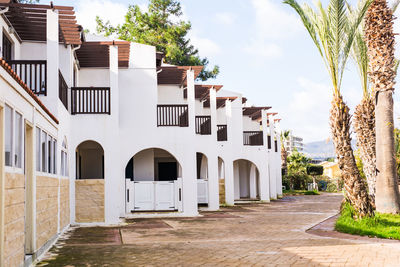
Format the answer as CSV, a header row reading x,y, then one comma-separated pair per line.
x,y
203,125
62,90
173,115
33,73
90,100
253,138
222,132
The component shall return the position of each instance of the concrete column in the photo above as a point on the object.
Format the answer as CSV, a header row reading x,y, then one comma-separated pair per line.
x,y
279,160
2,185
253,181
273,163
236,180
189,181
264,183
229,183
114,179
51,101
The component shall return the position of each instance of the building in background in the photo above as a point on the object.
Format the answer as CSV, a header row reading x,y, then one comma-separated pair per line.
x,y
294,142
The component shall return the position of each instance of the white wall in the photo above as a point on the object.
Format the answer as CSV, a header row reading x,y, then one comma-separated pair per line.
x,y
250,125
170,94
143,165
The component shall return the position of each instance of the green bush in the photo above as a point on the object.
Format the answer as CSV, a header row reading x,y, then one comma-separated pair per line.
x,y
315,170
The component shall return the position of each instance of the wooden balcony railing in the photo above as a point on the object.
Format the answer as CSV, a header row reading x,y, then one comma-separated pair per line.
x,y
33,73
62,90
253,138
203,125
90,100
222,132
173,115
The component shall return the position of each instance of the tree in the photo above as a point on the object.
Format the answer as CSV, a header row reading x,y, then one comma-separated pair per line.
x,y
158,27
333,33
315,170
380,43
364,114
284,138
28,1
297,170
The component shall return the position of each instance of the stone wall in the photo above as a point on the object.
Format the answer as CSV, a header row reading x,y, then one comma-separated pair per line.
x,y
64,203
46,209
222,191
14,216
89,200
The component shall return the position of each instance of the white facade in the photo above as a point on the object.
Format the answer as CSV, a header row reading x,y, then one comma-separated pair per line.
x,y
294,142
129,132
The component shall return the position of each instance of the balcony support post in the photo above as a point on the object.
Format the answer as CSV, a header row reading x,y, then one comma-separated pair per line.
x,y
51,101
274,168
264,168
279,164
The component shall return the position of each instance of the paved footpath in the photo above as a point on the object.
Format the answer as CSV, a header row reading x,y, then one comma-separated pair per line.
x,y
268,234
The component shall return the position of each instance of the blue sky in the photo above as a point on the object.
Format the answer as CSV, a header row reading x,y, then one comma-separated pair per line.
x,y
263,52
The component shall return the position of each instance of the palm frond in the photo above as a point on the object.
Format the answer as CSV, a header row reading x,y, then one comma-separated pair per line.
x,y
395,5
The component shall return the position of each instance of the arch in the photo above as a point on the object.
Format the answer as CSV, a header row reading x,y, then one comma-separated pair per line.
x,y
89,160
153,164
246,179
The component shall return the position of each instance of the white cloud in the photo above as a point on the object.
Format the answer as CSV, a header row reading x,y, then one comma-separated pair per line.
x,y
273,21
87,10
307,110
225,18
261,48
207,47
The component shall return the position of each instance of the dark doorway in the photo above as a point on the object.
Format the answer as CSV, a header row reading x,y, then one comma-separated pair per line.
x,y
129,170
167,171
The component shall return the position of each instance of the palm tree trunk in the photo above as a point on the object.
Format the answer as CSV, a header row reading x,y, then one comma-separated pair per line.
x,y
387,192
380,43
355,186
364,126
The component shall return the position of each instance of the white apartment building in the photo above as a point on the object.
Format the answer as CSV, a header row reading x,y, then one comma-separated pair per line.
x,y
294,142
92,132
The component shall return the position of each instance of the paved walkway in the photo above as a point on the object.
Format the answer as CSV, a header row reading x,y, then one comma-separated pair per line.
x,y
270,234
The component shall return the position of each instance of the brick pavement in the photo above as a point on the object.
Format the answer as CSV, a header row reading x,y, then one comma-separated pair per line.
x,y
267,234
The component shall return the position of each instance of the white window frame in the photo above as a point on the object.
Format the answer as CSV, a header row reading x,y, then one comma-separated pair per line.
x,y
64,159
13,167
48,153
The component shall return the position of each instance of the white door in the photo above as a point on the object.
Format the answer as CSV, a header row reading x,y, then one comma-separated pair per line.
x,y
129,195
164,195
202,191
144,196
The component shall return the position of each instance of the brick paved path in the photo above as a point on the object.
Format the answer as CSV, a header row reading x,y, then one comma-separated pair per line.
x,y
271,234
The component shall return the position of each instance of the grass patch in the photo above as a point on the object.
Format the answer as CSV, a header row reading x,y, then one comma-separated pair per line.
x,y
299,192
381,225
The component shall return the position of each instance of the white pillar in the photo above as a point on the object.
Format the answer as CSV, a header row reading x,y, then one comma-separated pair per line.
x,y
236,180
51,101
273,167
264,175
213,182
253,181
229,183
189,181
279,164
114,180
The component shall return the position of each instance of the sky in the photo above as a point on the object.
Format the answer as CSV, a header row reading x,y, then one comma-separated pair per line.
x,y
263,52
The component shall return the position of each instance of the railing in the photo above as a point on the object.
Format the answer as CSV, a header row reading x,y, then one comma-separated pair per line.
x,y
62,90
253,138
172,115
203,125
90,100
33,73
222,132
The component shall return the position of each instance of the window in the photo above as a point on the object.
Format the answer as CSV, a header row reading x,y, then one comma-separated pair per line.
x,y
14,138
18,140
8,135
64,159
46,147
7,48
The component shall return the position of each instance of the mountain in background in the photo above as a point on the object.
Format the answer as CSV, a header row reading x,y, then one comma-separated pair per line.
x,y
322,149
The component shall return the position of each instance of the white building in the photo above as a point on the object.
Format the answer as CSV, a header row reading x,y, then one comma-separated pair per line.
x,y
294,142
99,131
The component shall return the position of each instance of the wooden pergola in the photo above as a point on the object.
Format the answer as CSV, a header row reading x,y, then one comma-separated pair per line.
x,y
29,22
254,112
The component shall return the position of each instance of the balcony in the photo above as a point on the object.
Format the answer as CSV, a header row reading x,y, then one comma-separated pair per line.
x,y
33,73
203,125
222,132
173,115
253,138
90,100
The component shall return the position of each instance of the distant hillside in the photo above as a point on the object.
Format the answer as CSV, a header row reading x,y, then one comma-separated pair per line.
x,y
322,149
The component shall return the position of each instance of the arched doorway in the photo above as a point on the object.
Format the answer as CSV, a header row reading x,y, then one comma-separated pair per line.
x,y
89,161
246,180
153,181
202,178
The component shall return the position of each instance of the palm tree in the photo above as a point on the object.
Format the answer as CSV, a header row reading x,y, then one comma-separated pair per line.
x,y
380,43
364,114
284,138
333,33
